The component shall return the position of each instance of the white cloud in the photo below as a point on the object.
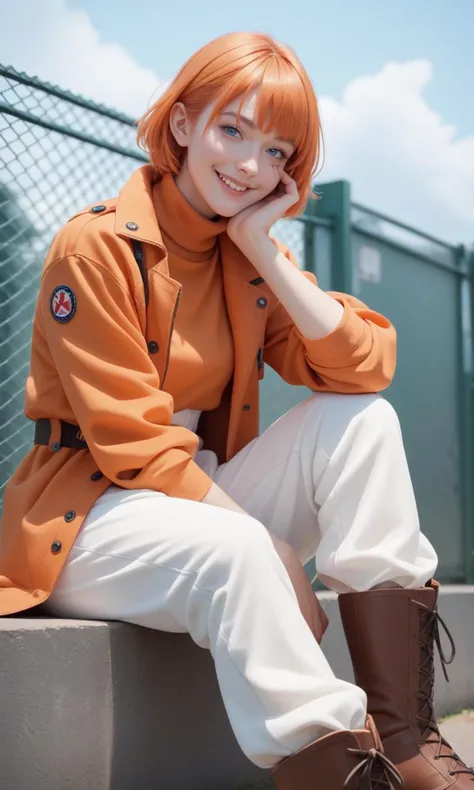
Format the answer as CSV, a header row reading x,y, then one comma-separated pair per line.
x,y
60,45
401,157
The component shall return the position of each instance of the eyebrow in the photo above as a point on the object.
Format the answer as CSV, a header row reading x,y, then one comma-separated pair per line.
x,y
248,122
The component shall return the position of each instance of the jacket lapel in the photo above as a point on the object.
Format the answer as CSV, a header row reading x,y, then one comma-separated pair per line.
x,y
247,306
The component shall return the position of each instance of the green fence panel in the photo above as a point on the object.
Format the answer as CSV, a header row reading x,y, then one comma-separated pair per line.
x,y
422,302
467,419
418,283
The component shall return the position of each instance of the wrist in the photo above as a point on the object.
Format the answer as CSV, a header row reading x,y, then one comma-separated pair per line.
x,y
259,248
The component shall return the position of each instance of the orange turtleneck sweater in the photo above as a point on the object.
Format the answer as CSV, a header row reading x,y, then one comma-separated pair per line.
x,y
202,351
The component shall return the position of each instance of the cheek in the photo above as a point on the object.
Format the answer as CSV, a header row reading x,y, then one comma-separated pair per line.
x,y
211,147
201,153
272,176
277,170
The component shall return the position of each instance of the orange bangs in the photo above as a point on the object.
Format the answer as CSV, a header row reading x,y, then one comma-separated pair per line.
x,y
230,68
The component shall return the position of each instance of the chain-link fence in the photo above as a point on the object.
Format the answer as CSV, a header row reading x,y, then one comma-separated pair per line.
x,y
58,153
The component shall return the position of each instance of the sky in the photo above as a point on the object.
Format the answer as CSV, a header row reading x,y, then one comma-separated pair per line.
x,y
394,80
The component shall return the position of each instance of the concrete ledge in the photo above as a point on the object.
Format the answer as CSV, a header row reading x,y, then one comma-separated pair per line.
x,y
110,706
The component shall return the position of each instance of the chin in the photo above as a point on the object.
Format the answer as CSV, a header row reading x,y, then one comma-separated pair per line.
x,y
226,213
228,210
220,209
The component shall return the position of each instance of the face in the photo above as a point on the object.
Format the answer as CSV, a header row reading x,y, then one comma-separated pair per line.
x,y
230,166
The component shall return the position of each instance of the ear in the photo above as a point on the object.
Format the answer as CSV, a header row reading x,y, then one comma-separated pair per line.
x,y
180,124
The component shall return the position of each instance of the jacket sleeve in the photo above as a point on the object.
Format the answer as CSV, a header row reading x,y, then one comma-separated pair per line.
x,y
358,356
102,361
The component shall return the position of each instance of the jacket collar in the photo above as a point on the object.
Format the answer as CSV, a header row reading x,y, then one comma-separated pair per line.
x,y
135,215
135,218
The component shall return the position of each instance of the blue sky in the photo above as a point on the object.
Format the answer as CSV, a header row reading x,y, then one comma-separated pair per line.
x,y
337,40
394,79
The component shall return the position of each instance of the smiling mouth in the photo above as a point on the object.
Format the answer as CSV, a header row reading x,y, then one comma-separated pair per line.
x,y
231,185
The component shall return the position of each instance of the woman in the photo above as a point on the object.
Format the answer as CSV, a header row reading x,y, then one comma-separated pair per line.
x,y
150,498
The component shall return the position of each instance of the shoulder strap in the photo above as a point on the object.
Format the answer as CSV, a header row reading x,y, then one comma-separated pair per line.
x,y
138,253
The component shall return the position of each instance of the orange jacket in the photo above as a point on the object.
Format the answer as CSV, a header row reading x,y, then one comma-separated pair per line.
x,y
105,371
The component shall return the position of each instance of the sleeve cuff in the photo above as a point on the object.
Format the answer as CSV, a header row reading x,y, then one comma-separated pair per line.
x,y
192,483
338,346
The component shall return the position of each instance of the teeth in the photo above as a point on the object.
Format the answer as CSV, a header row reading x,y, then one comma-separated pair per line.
x,y
231,183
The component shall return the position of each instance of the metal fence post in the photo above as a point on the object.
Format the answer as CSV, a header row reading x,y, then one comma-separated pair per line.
x,y
465,263
309,230
467,322
335,205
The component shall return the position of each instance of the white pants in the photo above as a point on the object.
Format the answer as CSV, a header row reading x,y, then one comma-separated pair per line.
x,y
331,478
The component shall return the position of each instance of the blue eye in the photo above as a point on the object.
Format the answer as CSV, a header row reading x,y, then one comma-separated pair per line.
x,y
277,153
232,131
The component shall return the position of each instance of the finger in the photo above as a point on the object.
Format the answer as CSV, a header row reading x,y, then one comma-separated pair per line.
x,y
325,622
281,202
275,208
289,183
322,626
285,202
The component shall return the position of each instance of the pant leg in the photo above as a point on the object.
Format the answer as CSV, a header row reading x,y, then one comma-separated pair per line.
x,y
182,566
331,478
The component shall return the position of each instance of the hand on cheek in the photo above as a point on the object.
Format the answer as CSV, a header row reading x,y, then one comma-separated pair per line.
x,y
256,220
279,188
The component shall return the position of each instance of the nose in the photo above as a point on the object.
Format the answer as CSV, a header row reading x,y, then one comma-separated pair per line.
x,y
249,164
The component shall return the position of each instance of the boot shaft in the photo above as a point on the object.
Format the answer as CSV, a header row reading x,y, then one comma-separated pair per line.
x,y
391,635
390,638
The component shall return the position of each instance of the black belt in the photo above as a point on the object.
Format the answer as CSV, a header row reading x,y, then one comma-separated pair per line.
x,y
71,435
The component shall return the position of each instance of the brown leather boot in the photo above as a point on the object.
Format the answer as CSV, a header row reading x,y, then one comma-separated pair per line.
x,y
391,636
343,760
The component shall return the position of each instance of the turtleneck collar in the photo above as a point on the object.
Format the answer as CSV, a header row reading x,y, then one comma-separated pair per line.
x,y
181,223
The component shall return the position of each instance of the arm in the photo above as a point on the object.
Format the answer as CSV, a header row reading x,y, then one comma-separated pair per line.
x,y
217,496
102,361
356,356
326,341
314,312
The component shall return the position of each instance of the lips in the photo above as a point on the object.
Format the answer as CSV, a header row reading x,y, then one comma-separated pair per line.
x,y
235,186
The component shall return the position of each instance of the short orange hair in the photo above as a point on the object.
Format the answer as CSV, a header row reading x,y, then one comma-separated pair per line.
x,y
230,67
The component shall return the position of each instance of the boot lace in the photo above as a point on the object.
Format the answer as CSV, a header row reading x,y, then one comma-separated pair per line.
x,y
429,636
373,772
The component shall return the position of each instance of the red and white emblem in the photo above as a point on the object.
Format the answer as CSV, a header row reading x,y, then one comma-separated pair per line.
x,y
63,304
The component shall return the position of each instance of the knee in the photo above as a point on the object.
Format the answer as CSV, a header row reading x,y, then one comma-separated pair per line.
x,y
383,415
380,420
244,541
369,412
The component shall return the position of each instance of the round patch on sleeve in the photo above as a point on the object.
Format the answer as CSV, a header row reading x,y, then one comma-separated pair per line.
x,y
63,304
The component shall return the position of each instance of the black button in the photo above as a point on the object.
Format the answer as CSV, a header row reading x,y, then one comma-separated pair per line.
x,y
55,447
262,302
246,407
56,547
153,347
132,226
97,209
97,476
70,515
